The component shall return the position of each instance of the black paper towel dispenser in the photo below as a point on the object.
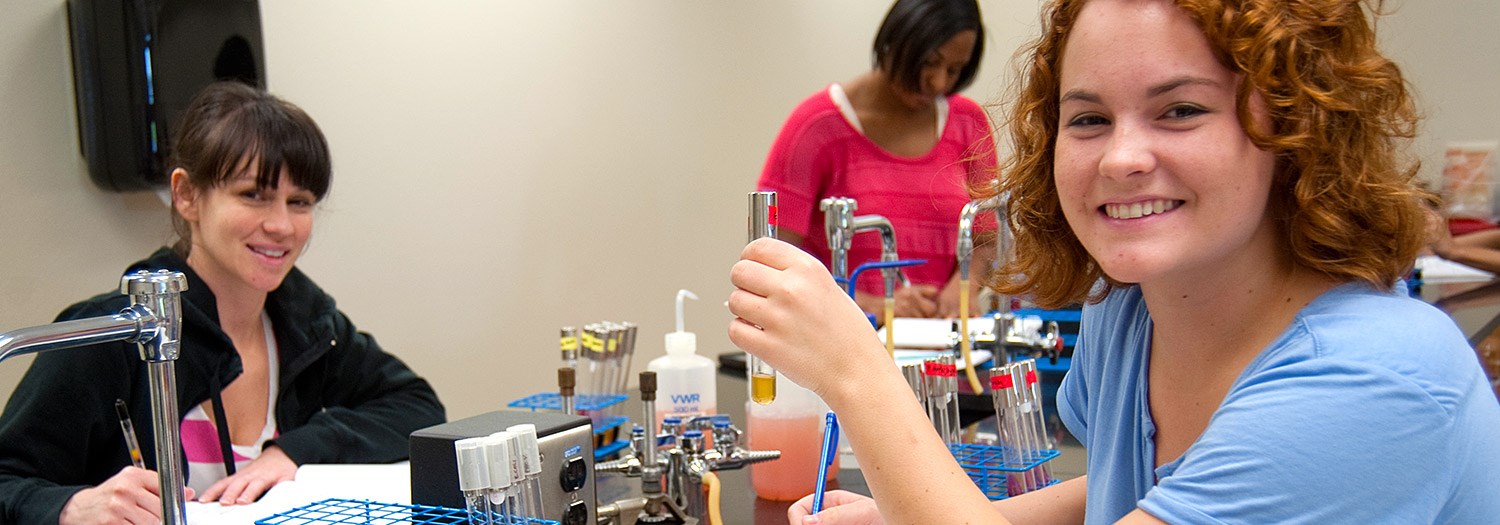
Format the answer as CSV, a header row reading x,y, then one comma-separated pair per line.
x,y
137,64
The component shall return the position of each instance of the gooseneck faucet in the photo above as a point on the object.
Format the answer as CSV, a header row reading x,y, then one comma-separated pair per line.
x,y
881,224
153,322
965,259
966,235
838,225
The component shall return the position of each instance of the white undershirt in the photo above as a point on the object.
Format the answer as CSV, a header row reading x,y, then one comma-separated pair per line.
x,y
202,475
841,99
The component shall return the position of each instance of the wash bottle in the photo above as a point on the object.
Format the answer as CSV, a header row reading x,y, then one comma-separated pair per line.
x,y
684,380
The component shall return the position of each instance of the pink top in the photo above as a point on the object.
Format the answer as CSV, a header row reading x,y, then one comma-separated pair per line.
x,y
819,154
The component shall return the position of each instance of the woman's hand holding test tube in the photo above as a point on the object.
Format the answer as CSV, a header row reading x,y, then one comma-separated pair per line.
x,y
790,312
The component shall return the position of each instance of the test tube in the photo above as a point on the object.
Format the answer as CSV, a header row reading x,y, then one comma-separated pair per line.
x,y
1001,387
568,342
762,224
511,464
593,352
593,346
614,349
531,457
501,483
1025,435
950,377
1040,442
628,332
609,348
517,496
473,478
944,418
913,375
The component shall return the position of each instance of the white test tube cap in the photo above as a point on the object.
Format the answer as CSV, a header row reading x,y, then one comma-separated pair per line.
x,y
473,464
531,454
499,461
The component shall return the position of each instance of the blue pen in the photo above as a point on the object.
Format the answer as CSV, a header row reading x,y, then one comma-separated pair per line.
x,y
830,451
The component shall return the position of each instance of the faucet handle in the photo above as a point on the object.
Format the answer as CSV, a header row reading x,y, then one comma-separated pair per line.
x,y
156,302
146,282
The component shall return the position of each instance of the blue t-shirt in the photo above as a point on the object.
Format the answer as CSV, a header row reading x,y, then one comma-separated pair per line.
x,y
1370,408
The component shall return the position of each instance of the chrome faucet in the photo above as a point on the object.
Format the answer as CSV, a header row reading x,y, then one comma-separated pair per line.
x,y
840,225
153,322
887,248
966,237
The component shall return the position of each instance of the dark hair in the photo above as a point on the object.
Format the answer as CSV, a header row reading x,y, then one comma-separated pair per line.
x,y
914,29
230,125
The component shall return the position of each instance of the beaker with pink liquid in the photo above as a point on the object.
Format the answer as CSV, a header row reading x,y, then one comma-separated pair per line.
x,y
793,424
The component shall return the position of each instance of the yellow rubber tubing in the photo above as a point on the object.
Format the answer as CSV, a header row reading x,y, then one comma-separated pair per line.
x,y
890,326
711,483
963,337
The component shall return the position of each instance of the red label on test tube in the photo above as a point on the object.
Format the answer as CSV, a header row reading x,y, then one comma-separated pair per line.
x,y
936,369
1030,377
1001,381
771,215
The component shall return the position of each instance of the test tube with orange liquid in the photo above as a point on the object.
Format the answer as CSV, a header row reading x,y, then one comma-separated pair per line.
x,y
762,224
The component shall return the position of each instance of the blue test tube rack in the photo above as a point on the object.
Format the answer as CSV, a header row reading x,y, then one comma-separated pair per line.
x,y
346,511
581,403
985,466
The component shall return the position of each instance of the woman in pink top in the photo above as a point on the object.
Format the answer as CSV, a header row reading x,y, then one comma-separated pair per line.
x,y
901,142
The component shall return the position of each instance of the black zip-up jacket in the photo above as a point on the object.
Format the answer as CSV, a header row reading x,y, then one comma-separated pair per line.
x,y
342,399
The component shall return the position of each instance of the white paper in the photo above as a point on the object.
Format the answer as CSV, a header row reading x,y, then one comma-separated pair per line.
x,y
1439,270
382,483
920,333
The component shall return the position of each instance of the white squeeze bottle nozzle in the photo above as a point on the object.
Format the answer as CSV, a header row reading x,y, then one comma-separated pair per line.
x,y
684,380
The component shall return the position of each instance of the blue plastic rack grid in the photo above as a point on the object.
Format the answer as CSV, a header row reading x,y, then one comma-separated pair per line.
x,y
348,512
984,465
553,401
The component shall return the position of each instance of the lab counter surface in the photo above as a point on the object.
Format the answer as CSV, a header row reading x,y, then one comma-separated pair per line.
x,y
1474,307
738,502
391,483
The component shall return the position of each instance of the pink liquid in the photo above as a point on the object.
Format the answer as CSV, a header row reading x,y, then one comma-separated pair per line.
x,y
800,440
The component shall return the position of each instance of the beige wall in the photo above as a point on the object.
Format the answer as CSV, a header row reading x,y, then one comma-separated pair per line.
x,y
506,168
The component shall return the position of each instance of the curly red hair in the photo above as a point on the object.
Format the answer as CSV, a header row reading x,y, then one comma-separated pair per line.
x,y
1341,116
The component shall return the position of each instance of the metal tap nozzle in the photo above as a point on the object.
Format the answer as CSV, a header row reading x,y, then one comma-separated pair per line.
x,y
838,225
153,322
887,247
966,232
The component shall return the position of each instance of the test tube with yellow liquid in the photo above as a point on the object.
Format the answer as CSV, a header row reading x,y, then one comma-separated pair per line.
x,y
762,224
